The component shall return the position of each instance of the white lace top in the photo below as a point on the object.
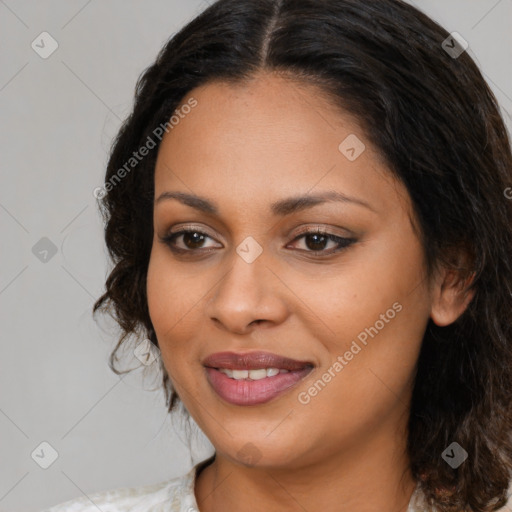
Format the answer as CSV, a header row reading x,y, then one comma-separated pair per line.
x,y
176,495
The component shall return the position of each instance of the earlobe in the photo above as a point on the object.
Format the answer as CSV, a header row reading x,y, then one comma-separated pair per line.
x,y
450,298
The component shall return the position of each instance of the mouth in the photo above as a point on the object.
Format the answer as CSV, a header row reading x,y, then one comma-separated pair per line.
x,y
253,378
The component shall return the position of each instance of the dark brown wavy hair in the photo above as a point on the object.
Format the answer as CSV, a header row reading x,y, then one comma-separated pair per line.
x,y
437,125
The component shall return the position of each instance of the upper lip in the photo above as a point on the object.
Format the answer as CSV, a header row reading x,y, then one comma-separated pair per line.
x,y
253,360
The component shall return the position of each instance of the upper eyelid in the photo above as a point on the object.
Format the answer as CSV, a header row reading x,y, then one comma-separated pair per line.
x,y
304,231
184,229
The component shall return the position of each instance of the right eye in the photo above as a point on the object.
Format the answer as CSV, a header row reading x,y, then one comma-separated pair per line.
x,y
191,240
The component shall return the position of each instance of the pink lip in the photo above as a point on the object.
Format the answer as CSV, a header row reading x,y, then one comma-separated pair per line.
x,y
252,361
253,392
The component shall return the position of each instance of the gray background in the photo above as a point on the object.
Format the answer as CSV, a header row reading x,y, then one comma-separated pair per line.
x,y
59,116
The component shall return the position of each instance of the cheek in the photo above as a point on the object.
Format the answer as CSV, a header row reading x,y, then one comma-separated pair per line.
x,y
373,317
159,284
171,298
176,295
370,384
376,290
173,294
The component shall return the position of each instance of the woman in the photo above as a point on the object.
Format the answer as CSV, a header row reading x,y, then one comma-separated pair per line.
x,y
308,216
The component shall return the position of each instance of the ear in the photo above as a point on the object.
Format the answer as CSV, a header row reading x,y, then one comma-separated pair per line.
x,y
450,295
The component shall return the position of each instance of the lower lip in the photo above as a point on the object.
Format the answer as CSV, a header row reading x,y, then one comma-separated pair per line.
x,y
253,392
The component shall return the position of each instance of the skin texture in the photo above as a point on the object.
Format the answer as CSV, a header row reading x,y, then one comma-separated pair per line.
x,y
244,147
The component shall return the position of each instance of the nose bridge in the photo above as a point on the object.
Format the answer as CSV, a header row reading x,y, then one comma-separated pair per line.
x,y
247,277
247,291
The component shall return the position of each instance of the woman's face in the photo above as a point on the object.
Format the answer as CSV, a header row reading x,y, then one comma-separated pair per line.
x,y
248,277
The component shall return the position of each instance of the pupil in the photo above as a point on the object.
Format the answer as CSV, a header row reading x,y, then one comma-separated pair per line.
x,y
193,238
312,246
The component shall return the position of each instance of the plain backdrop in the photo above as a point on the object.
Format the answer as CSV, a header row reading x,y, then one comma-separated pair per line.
x,y
60,404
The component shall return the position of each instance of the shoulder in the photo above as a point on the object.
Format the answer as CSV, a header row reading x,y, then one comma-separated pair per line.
x,y
162,497
175,495
122,499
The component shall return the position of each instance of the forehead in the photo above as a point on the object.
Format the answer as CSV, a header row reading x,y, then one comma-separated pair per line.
x,y
267,138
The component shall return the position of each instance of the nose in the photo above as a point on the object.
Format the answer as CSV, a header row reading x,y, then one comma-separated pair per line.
x,y
248,294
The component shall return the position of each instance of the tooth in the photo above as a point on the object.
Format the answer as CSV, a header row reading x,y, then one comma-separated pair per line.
x,y
257,374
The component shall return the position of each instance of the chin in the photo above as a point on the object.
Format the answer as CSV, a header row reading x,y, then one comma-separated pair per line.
x,y
259,451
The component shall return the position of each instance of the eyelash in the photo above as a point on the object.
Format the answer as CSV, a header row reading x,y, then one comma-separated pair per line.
x,y
342,242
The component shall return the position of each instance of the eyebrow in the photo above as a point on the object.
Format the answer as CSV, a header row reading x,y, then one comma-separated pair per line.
x,y
281,208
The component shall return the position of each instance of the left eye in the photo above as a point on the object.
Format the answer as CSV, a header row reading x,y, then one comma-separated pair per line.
x,y
315,241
